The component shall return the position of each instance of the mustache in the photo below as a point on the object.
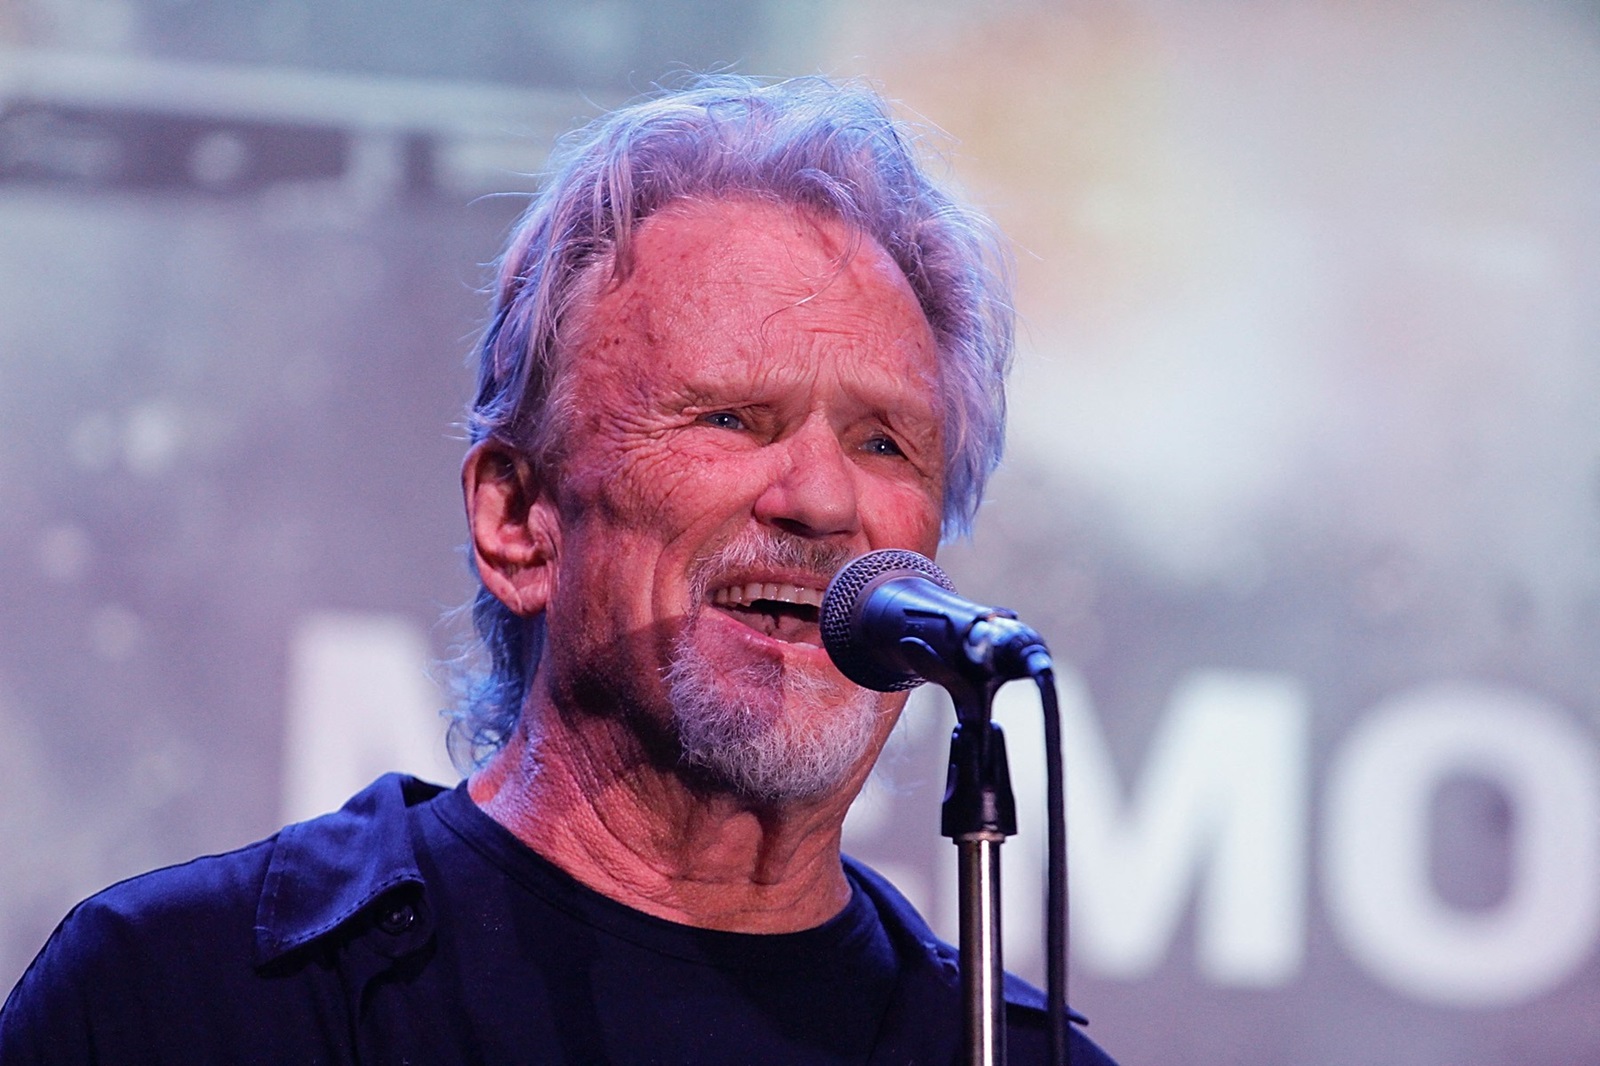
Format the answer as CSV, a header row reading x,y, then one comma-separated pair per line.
x,y
768,549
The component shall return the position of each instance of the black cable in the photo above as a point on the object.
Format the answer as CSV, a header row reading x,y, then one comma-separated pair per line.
x,y
1056,929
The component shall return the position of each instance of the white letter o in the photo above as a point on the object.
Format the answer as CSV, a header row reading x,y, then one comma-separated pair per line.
x,y
1380,895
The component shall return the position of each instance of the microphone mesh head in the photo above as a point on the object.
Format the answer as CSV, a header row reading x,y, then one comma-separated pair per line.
x,y
840,608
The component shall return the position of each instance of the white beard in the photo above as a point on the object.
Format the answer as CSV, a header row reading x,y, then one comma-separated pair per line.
x,y
767,734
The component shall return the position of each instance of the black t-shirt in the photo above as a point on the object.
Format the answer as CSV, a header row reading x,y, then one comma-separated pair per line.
x,y
409,927
562,967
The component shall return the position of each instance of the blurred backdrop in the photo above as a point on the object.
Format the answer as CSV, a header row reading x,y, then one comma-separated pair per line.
x,y
1304,475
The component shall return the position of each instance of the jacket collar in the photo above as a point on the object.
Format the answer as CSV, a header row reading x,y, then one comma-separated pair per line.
x,y
325,871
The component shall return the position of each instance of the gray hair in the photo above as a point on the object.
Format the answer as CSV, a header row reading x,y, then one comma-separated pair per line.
x,y
809,142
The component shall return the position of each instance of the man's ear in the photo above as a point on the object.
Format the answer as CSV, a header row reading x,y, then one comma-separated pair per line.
x,y
513,526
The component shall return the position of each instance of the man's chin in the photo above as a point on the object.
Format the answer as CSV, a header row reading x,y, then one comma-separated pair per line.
x,y
768,732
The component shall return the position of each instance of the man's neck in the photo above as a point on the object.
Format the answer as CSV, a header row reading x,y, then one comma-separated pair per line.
x,y
584,796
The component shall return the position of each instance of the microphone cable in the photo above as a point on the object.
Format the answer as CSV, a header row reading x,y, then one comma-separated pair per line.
x,y
1057,931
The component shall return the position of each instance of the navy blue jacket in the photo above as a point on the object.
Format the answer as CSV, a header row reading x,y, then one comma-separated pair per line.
x,y
273,953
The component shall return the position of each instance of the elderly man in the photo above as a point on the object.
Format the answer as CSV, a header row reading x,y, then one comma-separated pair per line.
x,y
739,339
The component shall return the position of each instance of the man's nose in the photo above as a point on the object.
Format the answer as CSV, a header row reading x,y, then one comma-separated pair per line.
x,y
812,492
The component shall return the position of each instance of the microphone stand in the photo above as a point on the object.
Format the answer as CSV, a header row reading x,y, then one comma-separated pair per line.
x,y
979,812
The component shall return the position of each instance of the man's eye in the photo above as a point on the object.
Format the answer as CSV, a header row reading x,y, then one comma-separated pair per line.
x,y
723,420
881,445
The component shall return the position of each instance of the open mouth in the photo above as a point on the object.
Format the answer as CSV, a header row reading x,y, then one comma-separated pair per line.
x,y
781,611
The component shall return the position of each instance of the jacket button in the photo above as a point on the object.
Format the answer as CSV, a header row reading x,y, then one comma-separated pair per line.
x,y
397,919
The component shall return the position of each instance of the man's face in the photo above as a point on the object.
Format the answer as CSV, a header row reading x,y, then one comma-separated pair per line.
x,y
755,404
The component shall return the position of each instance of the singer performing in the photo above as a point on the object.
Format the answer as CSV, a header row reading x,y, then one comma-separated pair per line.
x,y
738,340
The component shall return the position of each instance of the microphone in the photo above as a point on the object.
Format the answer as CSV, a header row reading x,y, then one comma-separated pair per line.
x,y
891,619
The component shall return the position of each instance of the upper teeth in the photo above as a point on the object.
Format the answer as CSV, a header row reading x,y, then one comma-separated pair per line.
x,y
745,595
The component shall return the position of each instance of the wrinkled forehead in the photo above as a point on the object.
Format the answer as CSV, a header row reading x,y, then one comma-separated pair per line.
x,y
722,267
772,238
